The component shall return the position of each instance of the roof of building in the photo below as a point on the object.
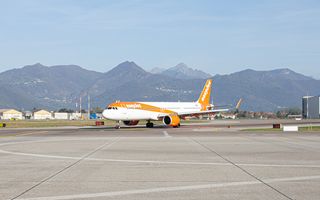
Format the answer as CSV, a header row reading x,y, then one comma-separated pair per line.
x,y
42,112
307,97
11,111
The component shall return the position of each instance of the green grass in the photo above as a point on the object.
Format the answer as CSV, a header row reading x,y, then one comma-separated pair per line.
x,y
301,129
194,121
79,123
49,123
263,129
309,128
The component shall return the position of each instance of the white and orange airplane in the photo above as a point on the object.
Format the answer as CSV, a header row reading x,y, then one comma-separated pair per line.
x,y
130,113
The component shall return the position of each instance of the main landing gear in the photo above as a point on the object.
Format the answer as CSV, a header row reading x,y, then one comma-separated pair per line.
x,y
149,124
178,126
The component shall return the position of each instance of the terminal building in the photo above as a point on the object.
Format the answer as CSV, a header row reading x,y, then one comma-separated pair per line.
x,y
310,107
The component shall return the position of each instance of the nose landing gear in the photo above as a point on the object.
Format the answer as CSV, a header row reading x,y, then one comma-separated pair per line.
x,y
117,125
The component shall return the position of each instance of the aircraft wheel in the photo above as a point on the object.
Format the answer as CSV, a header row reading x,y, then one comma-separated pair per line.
x,y
177,126
149,125
117,125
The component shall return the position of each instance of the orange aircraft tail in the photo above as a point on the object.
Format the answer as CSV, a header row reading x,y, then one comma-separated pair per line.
x,y
204,98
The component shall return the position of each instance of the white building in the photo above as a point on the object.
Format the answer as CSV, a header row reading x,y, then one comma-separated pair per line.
x,y
61,115
75,116
42,114
228,116
311,107
10,114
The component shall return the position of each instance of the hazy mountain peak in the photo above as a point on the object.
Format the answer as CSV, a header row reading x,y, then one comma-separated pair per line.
x,y
285,71
248,70
67,67
282,73
157,70
127,66
182,71
36,65
181,66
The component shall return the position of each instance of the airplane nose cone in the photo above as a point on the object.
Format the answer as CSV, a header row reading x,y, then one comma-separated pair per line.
x,y
105,113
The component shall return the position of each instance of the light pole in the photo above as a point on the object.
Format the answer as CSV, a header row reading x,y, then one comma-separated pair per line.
x,y
88,106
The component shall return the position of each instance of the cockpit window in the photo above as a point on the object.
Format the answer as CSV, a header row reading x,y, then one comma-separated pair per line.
x,y
112,108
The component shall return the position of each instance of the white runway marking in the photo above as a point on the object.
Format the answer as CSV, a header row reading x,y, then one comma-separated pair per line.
x,y
155,161
138,161
207,130
166,134
171,189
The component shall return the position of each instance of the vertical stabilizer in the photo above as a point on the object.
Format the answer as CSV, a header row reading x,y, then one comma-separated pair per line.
x,y
204,98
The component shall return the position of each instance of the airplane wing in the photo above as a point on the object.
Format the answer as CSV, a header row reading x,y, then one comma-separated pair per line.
x,y
185,114
197,113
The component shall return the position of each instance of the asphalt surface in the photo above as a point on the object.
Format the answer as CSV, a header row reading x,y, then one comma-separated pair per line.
x,y
192,162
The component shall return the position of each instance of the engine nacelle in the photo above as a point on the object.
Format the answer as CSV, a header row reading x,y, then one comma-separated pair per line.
x,y
173,120
131,123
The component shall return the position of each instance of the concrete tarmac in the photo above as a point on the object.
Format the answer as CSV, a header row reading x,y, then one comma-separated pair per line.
x,y
160,163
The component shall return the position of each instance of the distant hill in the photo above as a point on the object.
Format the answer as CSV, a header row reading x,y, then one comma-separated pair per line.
x,y
121,74
129,82
261,90
265,90
61,86
41,86
181,71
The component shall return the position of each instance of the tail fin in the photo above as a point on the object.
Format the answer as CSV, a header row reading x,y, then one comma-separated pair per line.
x,y
204,98
239,104
236,110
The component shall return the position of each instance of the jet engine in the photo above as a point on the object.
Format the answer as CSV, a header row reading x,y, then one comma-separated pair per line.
x,y
131,123
173,120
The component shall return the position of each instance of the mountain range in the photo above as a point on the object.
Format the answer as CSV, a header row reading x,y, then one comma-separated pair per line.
x,y
181,71
61,86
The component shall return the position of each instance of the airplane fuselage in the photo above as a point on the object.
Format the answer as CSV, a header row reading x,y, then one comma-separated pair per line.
x,y
147,110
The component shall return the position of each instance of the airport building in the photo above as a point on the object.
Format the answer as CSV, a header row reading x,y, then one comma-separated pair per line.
x,y
62,115
10,114
310,107
75,116
42,114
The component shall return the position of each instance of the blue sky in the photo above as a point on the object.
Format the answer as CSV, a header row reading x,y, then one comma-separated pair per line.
x,y
215,36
